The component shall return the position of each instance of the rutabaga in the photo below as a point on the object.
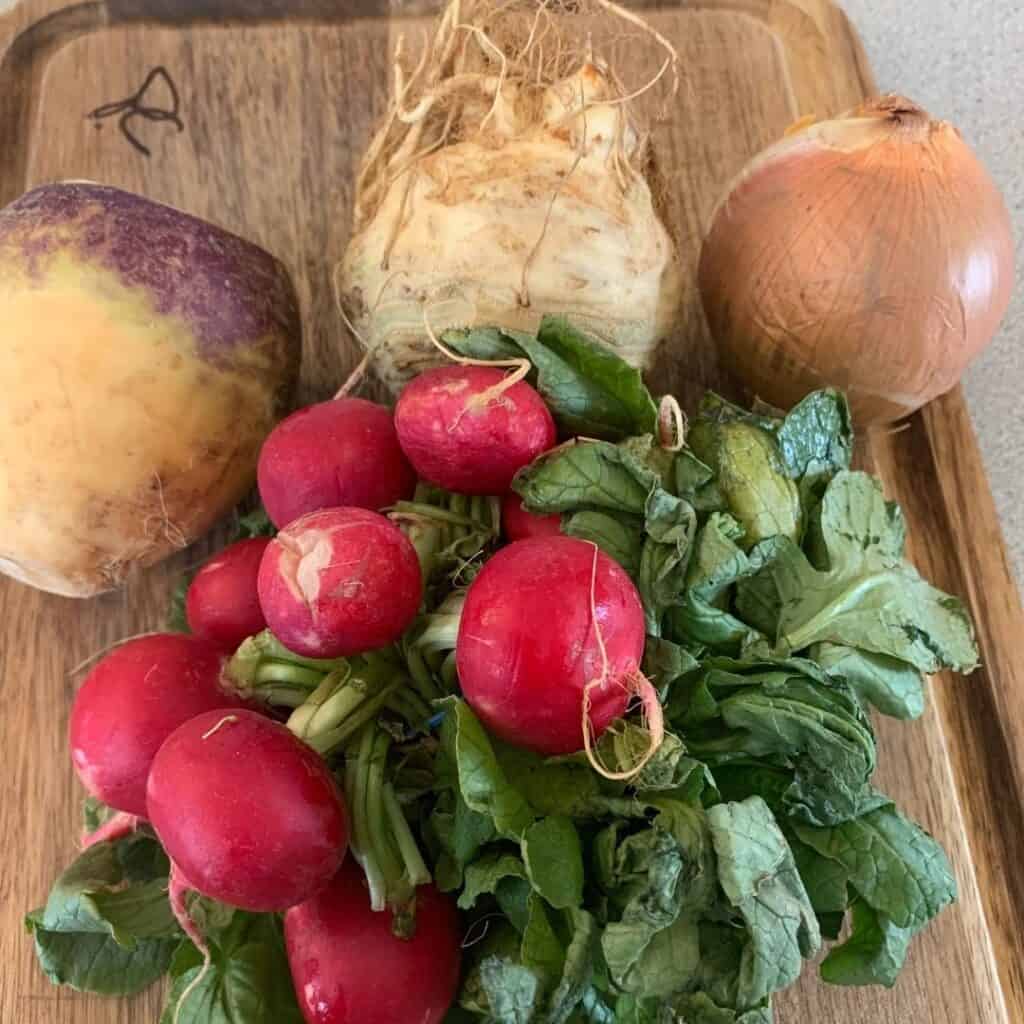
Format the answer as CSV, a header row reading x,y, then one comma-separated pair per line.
x,y
508,179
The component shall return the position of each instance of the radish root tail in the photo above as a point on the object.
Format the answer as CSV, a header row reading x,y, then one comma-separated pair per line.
x,y
119,826
636,683
520,369
226,720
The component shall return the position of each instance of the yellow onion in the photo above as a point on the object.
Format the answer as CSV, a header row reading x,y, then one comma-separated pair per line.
x,y
872,252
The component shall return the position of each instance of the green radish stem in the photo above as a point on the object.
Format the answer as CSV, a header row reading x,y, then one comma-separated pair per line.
x,y
446,529
422,677
449,673
406,702
337,695
442,628
457,516
416,869
283,672
326,743
427,539
460,508
430,656
262,663
284,696
275,649
382,841
356,780
380,834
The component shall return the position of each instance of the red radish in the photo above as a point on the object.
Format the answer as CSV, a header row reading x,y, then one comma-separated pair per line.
x,y
519,523
248,813
528,647
222,604
348,967
338,582
131,702
342,452
464,429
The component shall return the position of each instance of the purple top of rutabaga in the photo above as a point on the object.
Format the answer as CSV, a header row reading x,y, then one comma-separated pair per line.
x,y
230,291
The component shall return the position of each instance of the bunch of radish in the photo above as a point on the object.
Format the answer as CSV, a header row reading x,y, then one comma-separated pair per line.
x,y
252,747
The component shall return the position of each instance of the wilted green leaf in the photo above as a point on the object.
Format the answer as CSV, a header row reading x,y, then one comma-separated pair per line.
x,y
897,868
482,783
892,686
103,930
756,870
873,954
619,538
247,980
866,597
484,875
554,861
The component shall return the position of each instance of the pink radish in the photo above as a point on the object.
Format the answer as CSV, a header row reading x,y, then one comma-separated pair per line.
x,y
466,429
348,967
342,452
338,582
222,604
549,624
519,524
131,702
247,812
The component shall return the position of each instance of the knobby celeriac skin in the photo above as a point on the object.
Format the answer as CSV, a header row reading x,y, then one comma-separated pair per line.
x,y
146,354
510,179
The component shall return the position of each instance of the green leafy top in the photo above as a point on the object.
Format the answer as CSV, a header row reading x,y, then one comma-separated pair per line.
x,y
854,588
778,605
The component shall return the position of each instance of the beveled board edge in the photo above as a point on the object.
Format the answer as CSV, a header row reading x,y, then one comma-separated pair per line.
x,y
932,465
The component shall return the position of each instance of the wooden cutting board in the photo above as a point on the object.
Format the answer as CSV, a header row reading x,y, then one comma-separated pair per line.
x,y
278,99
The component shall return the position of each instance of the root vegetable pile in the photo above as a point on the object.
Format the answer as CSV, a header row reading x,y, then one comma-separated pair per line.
x,y
595,746
531,700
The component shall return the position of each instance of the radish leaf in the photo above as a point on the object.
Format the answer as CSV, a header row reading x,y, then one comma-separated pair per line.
x,y
895,866
104,929
554,861
247,981
865,595
759,878
590,389
873,954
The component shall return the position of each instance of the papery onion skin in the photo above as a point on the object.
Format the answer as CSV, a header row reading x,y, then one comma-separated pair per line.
x,y
872,253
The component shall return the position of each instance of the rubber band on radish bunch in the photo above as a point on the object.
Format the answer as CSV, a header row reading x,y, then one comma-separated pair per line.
x,y
510,178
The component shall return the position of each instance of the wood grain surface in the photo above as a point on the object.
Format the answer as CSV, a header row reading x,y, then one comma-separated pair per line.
x,y
278,104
